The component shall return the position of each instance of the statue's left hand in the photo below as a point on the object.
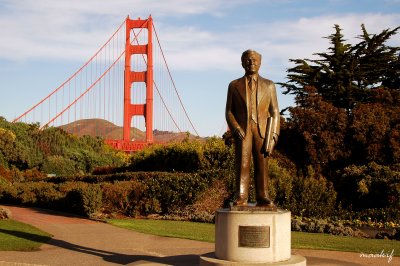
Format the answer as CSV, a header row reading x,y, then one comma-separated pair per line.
x,y
239,133
268,150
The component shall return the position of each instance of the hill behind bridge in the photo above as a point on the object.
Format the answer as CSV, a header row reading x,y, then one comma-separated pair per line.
x,y
107,130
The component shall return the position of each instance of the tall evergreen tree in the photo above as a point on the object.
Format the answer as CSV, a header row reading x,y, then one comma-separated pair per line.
x,y
347,74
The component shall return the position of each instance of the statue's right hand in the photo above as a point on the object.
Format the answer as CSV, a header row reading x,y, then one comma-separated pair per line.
x,y
239,133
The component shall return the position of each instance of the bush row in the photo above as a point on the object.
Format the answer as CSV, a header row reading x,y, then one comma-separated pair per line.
x,y
138,194
194,196
301,224
338,227
191,195
186,196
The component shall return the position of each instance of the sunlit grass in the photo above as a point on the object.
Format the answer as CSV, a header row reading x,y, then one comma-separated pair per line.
x,y
188,230
18,236
205,232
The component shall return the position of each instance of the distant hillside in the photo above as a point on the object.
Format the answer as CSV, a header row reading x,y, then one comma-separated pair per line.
x,y
108,130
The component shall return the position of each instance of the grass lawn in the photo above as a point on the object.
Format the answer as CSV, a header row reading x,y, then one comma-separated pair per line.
x,y
18,236
205,232
344,243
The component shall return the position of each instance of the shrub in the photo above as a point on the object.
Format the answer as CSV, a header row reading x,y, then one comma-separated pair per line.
x,y
11,174
318,197
217,155
47,195
182,157
104,170
8,193
176,190
206,203
58,165
5,174
370,186
24,146
85,199
311,196
124,197
185,156
25,194
33,175
314,196
313,225
5,214
280,185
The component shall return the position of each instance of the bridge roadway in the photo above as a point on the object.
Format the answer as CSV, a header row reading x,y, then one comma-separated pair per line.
x,y
79,241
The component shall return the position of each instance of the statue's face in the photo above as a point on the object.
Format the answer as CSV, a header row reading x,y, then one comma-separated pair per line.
x,y
251,63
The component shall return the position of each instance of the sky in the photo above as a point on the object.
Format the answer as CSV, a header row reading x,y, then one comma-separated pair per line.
x,y
43,42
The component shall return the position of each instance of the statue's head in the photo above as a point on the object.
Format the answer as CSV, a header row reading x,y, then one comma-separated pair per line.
x,y
251,61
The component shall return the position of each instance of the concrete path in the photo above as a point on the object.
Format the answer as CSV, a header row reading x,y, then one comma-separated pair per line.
x,y
79,241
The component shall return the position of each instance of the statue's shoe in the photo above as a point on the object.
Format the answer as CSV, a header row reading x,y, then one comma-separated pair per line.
x,y
240,202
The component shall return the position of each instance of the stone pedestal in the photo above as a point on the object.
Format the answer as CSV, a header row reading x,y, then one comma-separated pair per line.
x,y
252,236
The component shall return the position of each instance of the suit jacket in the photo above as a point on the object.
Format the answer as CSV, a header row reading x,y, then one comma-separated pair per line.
x,y
237,106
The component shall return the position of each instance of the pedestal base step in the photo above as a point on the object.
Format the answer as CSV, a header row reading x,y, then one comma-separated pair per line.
x,y
210,260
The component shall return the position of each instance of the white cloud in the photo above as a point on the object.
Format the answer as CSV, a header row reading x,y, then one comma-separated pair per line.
x,y
280,41
74,30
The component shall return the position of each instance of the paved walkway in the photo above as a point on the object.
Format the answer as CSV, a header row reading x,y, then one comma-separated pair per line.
x,y
79,241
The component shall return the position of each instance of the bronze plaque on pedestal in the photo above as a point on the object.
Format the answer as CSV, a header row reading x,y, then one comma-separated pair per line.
x,y
254,236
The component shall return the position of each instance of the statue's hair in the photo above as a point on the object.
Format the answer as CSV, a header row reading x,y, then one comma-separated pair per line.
x,y
247,52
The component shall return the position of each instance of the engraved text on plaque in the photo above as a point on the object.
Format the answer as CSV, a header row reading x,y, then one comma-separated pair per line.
x,y
254,236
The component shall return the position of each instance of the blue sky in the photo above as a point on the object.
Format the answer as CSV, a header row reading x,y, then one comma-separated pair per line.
x,y
44,42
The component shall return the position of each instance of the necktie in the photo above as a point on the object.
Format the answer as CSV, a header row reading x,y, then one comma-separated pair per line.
x,y
251,84
253,104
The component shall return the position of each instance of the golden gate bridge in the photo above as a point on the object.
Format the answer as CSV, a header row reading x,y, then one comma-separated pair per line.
x,y
126,82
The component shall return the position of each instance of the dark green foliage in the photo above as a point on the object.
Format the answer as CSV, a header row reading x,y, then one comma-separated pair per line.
x,y
58,165
46,194
85,199
41,194
310,195
8,193
315,196
186,156
128,194
347,120
52,150
127,198
173,190
347,74
182,157
217,155
370,186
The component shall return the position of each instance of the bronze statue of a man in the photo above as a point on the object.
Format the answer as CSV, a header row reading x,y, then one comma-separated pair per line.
x,y
253,117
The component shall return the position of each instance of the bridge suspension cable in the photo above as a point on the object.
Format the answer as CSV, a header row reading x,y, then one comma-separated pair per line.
x,y
93,96
173,82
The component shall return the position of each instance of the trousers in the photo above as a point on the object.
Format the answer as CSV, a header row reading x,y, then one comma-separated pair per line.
x,y
251,146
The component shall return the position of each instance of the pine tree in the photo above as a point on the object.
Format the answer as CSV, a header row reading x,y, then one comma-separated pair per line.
x,y
348,74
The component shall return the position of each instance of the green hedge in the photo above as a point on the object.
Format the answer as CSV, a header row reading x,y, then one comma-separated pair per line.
x,y
186,156
193,196
370,186
128,194
143,193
